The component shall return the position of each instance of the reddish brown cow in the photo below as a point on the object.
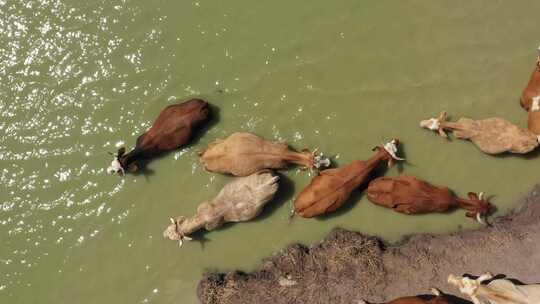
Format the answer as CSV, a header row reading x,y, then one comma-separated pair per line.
x,y
530,98
532,90
172,129
329,190
410,195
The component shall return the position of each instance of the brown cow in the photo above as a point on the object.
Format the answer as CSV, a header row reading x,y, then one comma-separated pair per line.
x,y
410,195
530,98
242,154
439,298
491,135
172,129
329,190
532,90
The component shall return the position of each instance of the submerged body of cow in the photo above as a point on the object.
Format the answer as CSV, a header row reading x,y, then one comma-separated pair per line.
x,y
530,98
410,195
172,129
329,190
242,154
436,298
491,135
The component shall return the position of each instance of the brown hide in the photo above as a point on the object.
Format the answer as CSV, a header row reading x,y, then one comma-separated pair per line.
x,y
418,300
410,195
532,89
242,154
329,190
172,129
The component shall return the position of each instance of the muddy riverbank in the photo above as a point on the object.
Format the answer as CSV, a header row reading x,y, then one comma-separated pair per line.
x,y
348,266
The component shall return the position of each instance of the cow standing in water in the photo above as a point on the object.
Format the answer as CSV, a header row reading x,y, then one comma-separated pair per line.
x,y
172,129
530,98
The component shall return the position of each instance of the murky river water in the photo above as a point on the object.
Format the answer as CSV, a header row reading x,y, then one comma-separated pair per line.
x,y
77,77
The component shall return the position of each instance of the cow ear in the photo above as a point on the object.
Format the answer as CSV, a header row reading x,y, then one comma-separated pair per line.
x,y
473,196
121,152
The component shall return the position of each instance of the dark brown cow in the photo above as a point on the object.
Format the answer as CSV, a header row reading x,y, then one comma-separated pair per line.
x,y
439,298
329,190
410,195
172,129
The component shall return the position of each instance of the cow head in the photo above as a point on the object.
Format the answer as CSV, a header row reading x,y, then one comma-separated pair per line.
x,y
174,233
477,206
390,150
468,286
116,165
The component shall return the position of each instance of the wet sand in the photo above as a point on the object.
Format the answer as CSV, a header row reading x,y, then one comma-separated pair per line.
x,y
348,266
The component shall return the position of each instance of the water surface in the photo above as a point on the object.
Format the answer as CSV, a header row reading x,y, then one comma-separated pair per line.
x,y
79,77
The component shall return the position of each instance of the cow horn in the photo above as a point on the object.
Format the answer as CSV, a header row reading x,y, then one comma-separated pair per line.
x,y
479,219
481,195
391,148
321,161
181,240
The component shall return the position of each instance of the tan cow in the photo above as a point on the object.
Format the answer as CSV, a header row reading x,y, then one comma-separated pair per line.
x,y
239,201
498,291
491,135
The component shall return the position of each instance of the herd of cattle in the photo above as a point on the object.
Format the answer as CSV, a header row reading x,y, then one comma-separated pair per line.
x,y
251,159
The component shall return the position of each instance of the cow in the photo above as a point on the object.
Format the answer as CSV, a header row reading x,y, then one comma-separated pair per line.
x,y
243,153
332,187
240,200
173,128
492,135
497,291
532,90
410,195
438,298
530,98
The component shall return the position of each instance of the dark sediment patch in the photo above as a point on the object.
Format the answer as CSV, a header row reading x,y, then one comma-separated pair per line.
x,y
348,266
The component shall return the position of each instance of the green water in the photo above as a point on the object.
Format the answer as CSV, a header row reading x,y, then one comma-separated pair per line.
x,y
79,76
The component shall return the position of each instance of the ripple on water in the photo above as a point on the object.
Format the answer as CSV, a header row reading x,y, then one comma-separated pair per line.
x,y
57,60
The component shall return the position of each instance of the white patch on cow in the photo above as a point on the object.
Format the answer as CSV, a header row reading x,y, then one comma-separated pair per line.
x,y
535,103
432,124
115,167
391,148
